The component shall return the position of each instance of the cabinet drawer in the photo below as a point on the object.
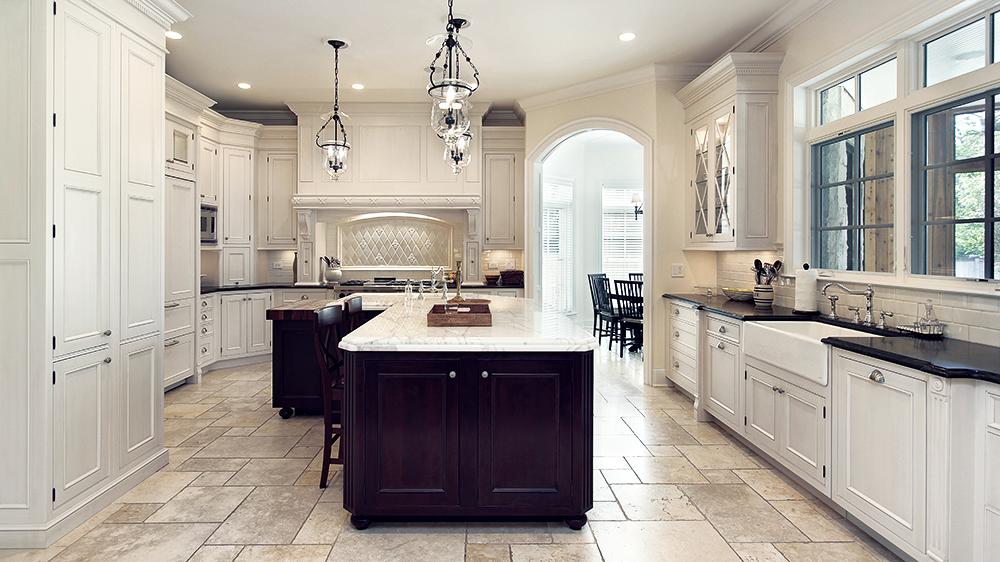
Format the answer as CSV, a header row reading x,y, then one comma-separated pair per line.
x,y
178,318
684,313
289,295
178,359
683,371
724,329
204,349
686,341
206,329
206,315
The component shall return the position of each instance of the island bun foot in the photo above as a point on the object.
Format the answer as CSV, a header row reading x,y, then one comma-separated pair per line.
x,y
286,413
362,524
576,523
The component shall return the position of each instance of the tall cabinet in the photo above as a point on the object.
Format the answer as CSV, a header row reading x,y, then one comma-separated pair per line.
x,y
80,261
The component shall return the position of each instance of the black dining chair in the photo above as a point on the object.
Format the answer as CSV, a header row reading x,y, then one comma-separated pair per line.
x,y
635,277
329,326
591,279
628,297
607,322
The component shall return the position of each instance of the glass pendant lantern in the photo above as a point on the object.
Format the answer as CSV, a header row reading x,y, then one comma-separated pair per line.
x,y
450,107
458,151
335,147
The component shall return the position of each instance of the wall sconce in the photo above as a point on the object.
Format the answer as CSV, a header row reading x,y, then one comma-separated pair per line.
x,y
637,203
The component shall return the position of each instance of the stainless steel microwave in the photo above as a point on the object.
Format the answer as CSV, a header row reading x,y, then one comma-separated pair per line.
x,y
209,224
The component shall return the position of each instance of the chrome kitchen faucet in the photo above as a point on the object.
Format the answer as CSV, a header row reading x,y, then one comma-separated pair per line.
x,y
868,293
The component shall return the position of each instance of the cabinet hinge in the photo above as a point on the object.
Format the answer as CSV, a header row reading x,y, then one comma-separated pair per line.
x,y
267,199
744,420
824,412
53,342
53,495
824,471
744,375
53,231
53,119
55,11
53,377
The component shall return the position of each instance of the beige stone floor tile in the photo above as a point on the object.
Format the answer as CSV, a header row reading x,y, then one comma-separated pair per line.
x,y
159,487
244,419
616,410
660,431
246,376
712,457
310,478
282,509
178,456
213,479
401,542
205,436
826,510
33,555
509,532
132,513
619,476
300,452
293,427
242,389
242,447
722,476
239,431
334,491
758,552
741,515
769,485
284,553
487,553
822,551
312,438
201,504
602,492
181,395
665,470
661,541
610,462
323,525
606,511
654,413
683,417
663,450
655,402
611,426
241,404
618,446
216,554
269,472
655,502
213,414
178,430
213,465
814,524
88,525
181,410
212,400
707,434
162,542
562,534
555,553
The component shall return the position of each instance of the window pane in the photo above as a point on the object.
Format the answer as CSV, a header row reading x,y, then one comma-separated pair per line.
x,y
955,250
878,152
970,131
877,250
835,206
956,53
835,249
879,202
996,250
836,162
996,190
996,121
837,102
970,195
878,85
956,192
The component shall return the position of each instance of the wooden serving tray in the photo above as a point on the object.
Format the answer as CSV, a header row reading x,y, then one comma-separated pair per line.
x,y
460,314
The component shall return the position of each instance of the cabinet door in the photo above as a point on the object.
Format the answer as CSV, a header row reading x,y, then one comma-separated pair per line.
x,y
180,151
140,400
713,187
237,179
178,359
526,435
881,449
282,181
82,169
236,266
803,438
181,275
209,172
498,200
723,386
141,189
259,327
762,413
234,324
81,411
411,454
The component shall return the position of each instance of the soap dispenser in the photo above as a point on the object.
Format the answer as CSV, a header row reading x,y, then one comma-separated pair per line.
x,y
929,321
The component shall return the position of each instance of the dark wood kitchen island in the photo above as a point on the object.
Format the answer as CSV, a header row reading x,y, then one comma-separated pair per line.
x,y
491,423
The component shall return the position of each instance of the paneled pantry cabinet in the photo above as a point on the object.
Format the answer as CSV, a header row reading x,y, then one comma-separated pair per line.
x,y
81,261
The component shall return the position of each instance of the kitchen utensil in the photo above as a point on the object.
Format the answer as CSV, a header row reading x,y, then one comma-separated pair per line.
x,y
777,266
759,266
738,294
756,274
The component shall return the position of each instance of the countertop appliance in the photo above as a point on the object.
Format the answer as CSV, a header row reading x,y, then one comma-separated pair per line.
x,y
209,224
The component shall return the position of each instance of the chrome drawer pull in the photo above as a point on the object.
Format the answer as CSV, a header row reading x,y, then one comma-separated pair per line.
x,y
877,376
721,345
722,329
677,365
305,297
171,344
172,305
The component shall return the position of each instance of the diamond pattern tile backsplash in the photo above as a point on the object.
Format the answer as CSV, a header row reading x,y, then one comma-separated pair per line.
x,y
395,242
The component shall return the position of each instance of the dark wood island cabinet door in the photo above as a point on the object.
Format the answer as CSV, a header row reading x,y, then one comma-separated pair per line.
x,y
411,453
526,439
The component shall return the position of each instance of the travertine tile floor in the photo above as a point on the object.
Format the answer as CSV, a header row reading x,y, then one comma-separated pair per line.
x,y
242,484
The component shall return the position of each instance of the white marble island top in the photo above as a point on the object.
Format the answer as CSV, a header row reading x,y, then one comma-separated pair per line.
x,y
518,325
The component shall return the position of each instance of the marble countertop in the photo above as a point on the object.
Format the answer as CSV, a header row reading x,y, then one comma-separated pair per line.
x,y
518,325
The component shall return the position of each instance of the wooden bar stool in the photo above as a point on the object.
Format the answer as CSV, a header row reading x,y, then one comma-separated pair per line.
x,y
329,327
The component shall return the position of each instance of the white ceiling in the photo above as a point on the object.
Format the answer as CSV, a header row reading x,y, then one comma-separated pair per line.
x,y
521,47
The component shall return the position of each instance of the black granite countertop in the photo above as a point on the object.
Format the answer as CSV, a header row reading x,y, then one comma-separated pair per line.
x,y
207,289
944,357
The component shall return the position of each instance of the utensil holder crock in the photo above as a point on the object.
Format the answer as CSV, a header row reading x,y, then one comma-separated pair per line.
x,y
763,295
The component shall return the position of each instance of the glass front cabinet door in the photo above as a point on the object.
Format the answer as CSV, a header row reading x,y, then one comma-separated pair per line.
x,y
713,178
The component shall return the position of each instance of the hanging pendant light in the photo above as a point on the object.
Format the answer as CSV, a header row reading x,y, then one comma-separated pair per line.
x,y
335,149
449,92
458,151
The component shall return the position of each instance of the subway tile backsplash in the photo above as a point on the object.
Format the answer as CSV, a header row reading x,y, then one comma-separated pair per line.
x,y
974,318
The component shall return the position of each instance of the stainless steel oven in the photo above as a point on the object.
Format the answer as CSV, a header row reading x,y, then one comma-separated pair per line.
x,y
209,224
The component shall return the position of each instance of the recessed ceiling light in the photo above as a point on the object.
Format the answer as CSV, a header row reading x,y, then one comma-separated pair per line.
x,y
627,36
171,34
243,85
358,86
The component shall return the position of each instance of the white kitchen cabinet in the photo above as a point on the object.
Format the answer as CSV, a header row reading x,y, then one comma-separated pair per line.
x,y
279,171
81,424
723,389
180,149
207,343
179,356
237,187
990,546
244,328
497,291
503,205
178,318
733,125
209,172
682,335
140,409
880,458
182,240
236,265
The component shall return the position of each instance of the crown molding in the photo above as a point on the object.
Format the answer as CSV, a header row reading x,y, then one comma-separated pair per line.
x,y
163,12
620,81
731,66
783,21
331,202
186,96
314,109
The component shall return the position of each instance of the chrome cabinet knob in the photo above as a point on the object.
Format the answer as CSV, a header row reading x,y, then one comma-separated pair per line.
x,y
204,330
721,346
677,334
877,376
107,359
485,374
305,297
451,374
677,311
677,365
107,332
722,329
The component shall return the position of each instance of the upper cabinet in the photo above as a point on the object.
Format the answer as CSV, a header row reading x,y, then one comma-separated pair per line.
x,y
503,187
209,172
180,150
237,182
732,124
